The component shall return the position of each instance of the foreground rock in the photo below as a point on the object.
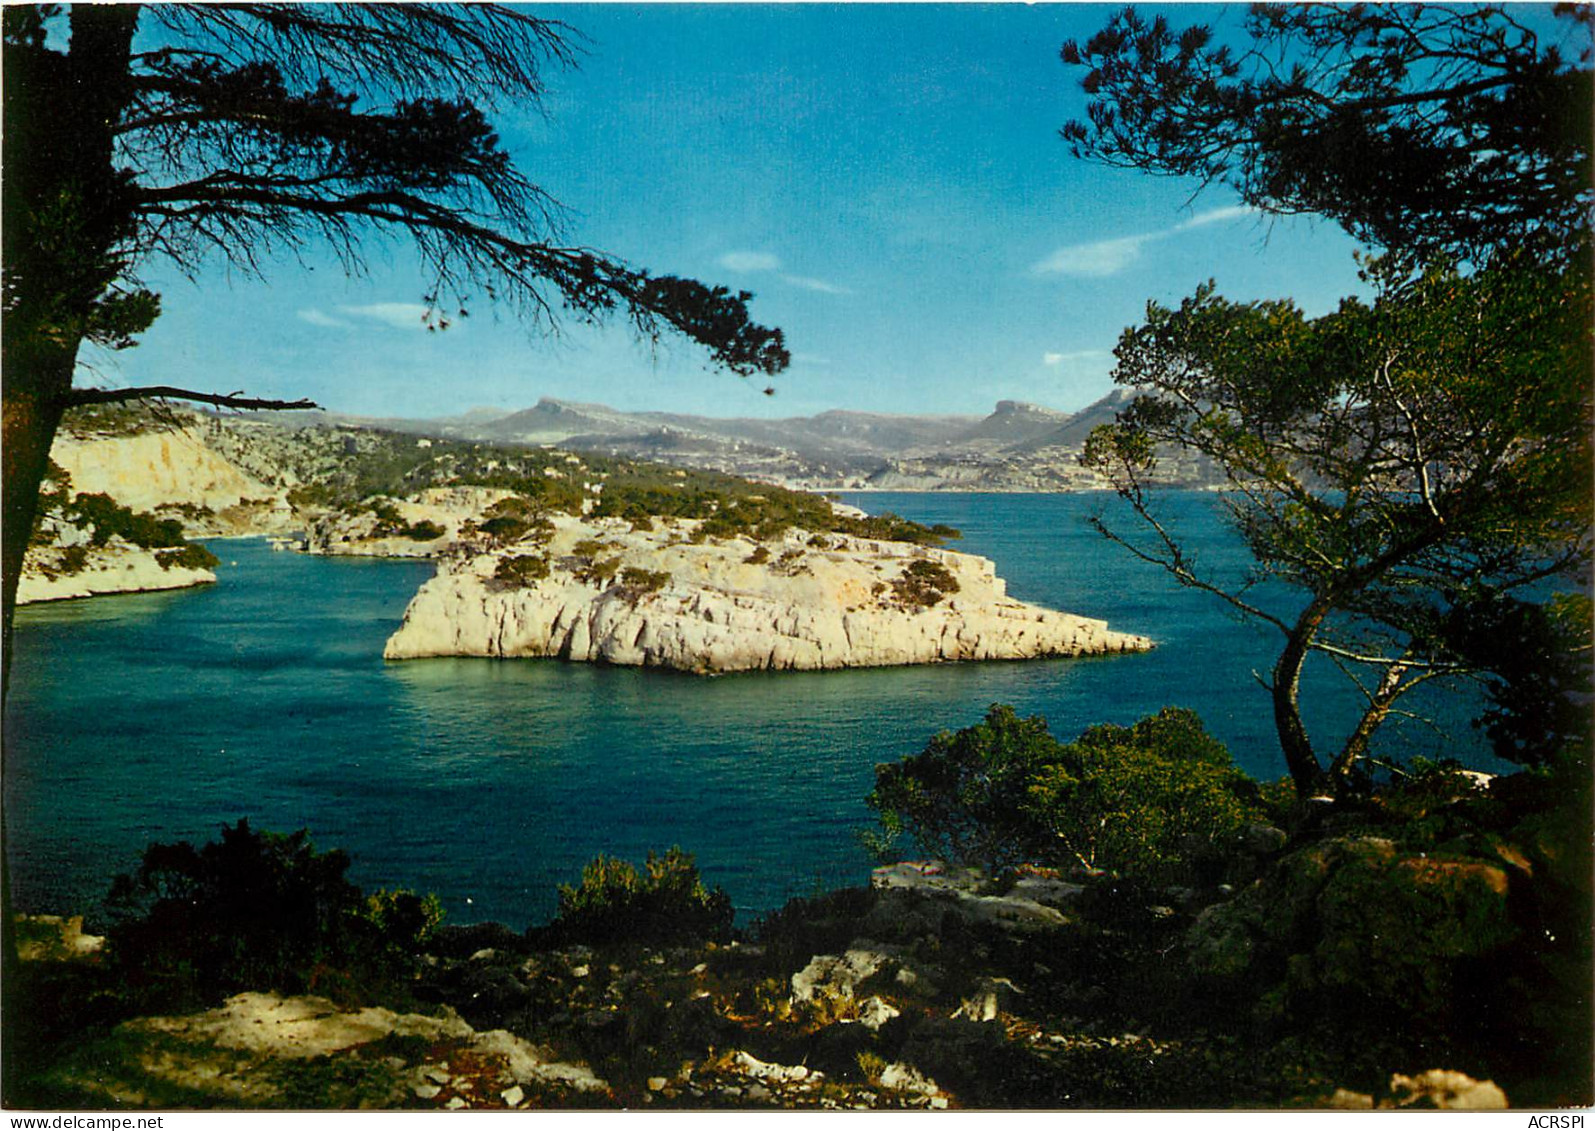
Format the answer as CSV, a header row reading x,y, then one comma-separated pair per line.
x,y
601,591
262,1050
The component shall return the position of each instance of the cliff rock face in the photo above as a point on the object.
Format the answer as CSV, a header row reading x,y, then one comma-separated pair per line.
x,y
173,468
170,472
360,534
656,598
114,568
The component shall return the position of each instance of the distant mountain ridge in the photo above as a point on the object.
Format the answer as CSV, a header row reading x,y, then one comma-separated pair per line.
x,y
1019,446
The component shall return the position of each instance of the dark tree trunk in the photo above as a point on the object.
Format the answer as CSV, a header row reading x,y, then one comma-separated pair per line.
x,y
34,390
65,224
1294,742
35,380
1356,748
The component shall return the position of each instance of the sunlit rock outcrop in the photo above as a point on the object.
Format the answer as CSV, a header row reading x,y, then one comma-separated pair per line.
x,y
600,590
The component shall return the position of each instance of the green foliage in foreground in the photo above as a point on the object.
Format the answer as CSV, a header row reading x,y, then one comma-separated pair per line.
x,y
260,910
1149,802
667,903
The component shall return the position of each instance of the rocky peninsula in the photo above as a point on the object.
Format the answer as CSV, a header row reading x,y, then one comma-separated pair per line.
x,y
664,595
65,571
123,496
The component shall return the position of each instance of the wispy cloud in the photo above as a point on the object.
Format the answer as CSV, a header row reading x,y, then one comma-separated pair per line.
x,y
1216,216
762,261
401,315
1093,260
321,318
749,261
1101,258
812,284
1055,359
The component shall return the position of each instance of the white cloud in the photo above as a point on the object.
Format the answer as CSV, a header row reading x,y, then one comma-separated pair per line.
x,y
750,261
1075,355
1101,258
811,284
1093,260
402,315
1215,216
758,261
320,318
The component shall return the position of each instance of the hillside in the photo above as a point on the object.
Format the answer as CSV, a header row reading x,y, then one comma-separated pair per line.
x,y
1017,447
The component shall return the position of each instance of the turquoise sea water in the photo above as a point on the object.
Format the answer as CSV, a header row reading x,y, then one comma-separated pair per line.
x,y
162,716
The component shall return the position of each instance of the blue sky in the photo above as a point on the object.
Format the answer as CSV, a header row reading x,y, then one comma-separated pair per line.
x,y
888,180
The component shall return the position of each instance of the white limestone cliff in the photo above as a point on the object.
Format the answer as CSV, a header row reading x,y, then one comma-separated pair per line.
x,y
171,472
803,602
173,468
114,568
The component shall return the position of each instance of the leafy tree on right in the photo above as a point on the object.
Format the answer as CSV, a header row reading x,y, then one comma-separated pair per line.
x,y
1416,468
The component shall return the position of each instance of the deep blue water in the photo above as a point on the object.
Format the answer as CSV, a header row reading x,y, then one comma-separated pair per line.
x,y
162,716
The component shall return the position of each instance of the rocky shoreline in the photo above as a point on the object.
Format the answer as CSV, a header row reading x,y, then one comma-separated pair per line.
x,y
106,570
935,988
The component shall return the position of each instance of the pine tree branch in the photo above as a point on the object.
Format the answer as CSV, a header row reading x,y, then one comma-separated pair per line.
x,y
79,397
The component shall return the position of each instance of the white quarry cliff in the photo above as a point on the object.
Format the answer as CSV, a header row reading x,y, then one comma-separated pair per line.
x,y
803,602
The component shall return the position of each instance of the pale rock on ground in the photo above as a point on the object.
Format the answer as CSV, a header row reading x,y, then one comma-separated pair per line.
x,y
1438,1088
815,601
55,938
245,1052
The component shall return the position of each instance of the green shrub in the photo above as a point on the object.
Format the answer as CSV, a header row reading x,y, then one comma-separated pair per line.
x,y
789,564
111,519
191,556
506,528
641,581
1148,802
259,911
512,506
666,904
965,796
599,572
923,583
760,555
55,496
521,569
888,527
73,560
587,548
388,518
424,531
313,495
